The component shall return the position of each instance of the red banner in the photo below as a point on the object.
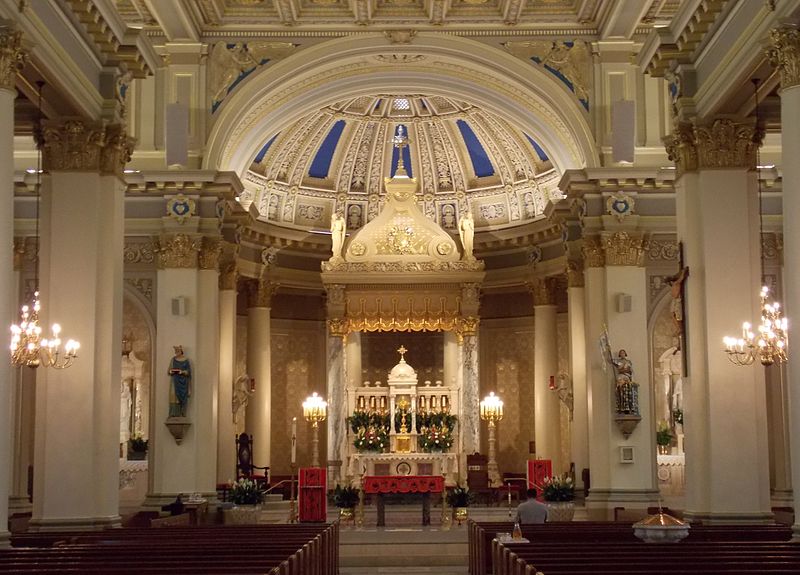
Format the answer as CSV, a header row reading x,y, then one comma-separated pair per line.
x,y
403,484
312,494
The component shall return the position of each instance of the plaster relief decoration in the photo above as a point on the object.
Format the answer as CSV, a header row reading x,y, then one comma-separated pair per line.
x,y
491,211
180,207
620,205
310,214
567,61
229,64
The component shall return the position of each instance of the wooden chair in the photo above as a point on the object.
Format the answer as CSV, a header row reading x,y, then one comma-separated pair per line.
x,y
478,477
245,468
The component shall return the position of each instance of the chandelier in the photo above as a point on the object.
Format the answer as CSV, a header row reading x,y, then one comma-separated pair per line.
x,y
770,342
28,347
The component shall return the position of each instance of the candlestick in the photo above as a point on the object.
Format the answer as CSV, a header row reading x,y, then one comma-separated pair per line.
x,y
294,440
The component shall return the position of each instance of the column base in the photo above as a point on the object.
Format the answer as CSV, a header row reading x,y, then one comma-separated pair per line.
x,y
74,524
603,504
19,505
5,540
710,518
782,498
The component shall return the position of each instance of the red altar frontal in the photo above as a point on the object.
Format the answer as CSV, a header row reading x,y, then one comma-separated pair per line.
x,y
406,484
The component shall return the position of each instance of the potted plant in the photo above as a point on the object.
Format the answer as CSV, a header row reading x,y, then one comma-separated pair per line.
x,y
346,499
663,438
246,496
137,448
458,498
559,495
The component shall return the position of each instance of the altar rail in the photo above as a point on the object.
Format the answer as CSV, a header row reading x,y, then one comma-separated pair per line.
x,y
591,534
239,549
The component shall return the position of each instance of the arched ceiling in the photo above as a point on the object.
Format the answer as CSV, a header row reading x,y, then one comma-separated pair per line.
x,y
335,160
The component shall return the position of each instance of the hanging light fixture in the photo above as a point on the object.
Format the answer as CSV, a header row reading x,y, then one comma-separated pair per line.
x,y
770,343
28,347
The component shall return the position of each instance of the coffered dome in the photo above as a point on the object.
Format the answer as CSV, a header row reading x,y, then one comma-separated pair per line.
x,y
464,157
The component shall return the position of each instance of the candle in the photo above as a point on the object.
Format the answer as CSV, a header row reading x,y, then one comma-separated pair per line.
x,y
294,440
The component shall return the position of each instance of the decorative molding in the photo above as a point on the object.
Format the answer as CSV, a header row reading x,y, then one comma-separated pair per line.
x,y
12,57
620,205
543,291
178,251
722,144
662,250
75,145
622,249
180,207
210,252
772,246
228,266
784,54
139,252
19,253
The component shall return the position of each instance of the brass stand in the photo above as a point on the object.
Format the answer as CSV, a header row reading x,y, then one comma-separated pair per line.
x,y
292,501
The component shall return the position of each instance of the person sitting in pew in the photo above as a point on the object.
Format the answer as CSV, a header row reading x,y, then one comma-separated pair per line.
x,y
531,511
176,507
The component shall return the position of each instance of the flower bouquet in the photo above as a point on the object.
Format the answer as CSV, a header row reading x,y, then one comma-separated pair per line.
x,y
435,438
371,438
246,492
558,488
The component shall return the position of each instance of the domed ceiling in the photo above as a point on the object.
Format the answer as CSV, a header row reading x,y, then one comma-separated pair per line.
x,y
464,158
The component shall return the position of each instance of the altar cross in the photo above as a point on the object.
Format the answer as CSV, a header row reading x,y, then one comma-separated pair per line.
x,y
402,351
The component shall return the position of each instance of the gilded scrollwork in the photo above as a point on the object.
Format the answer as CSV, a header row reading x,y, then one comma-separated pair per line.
x,y
75,145
575,276
720,144
784,54
544,291
593,253
142,285
210,252
665,250
139,252
178,251
623,249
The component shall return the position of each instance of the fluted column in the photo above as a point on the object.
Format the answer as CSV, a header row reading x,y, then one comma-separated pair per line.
x,y
718,222
784,54
577,362
82,229
547,411
11,59
226,444
258,415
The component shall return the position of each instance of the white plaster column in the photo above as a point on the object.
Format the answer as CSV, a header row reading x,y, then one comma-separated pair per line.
x,y
718,222
780,444
546,407
337,409
77,409
187,270
577,370
226,438
11,58
784,54
450,359
352,353
259,416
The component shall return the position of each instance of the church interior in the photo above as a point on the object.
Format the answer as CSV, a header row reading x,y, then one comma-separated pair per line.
x,y
479,241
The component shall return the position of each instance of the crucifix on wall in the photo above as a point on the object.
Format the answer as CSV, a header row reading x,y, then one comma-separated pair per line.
x,y
678,307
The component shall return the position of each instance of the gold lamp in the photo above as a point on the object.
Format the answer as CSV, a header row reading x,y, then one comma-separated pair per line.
x,y
315,410
492,412
28,347
770,342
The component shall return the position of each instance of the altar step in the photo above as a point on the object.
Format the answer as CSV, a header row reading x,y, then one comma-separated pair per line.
x,y
403,550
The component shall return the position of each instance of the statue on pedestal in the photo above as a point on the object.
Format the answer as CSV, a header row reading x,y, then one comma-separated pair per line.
x,y
180,371
626,390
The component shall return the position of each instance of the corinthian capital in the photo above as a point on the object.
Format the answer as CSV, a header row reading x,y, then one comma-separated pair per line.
x,y
261,293
544,291
623,249
12,56
78,146
593,255
784,54
210,250
575,273
178,251
721,144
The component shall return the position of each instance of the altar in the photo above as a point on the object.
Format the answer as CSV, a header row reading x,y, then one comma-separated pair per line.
x,y
382,464
403,484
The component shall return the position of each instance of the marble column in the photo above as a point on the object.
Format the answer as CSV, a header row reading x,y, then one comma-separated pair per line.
x,y
718,222
23,404
226,438
547,410
77,409
11,59
470,395
337,409
784,54
184,456
259,411
577,369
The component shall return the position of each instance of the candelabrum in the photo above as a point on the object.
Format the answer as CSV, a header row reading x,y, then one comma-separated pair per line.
x,y
492,412
315,410
28,348
769,345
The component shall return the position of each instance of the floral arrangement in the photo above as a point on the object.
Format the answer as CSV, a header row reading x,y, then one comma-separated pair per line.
x,y
558,488
663,434
440,419
345,497
435,438
458,496
371,438
363,419
245,492
677,414
138,444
